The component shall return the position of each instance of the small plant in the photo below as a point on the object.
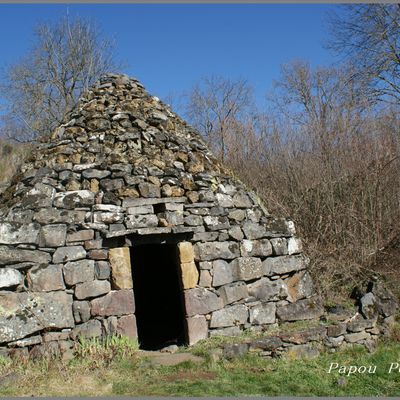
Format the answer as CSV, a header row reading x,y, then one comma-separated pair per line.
x,y
107,349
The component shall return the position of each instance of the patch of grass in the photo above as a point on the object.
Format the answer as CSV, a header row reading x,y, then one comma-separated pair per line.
x,y
250,375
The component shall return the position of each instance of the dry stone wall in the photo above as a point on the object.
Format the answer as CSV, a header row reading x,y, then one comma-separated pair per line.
x,y
123,166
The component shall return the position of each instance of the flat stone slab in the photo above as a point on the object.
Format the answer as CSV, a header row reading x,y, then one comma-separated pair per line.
x,y
157,358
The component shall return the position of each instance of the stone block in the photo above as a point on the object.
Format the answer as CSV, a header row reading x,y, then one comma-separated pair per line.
x,y
279,246
336,330
149,190
266,290
216,250
46,279
242,200
73,199
108,217
52,235
231,351
268,344
98,254
141,221
78,272
10,277
294,245
140,210
302,351
80,236
256,248
102,270
360,324
229,316
263,313
15,233
247,268
116,303
9,255
81,311
87,330
69,253
302,309
315,334
284,264
222,273
197,329
231,331
235,233
201,301
224,200
253,230
121,270
26,313
356,337
299,286
126,326
189,275
205,279
92,289
186,252
233,292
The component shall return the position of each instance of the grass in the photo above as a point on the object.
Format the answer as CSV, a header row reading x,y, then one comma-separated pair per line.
x,y
130,375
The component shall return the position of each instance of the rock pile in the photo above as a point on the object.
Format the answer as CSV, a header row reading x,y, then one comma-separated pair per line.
x,y
123,166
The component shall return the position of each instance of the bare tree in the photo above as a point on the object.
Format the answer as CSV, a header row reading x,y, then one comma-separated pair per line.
x,y
369,36
215,105
66,58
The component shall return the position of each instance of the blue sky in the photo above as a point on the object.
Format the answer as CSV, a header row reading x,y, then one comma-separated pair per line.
x,y
169,47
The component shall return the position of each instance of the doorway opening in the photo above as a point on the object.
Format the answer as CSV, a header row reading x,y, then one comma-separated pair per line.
x,y
158,297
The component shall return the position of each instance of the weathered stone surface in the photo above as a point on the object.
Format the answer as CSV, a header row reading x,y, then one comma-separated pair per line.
x,y
46,279
233,292
52,235
54,216
10,277
263,313
368,306
69,253
81,311
253,230
14,233
80,236
102,270
189,275
231,331
269,343
141,221
197,329
279,246
294,246
22,314
222,273
224,200
95,173
360,324
336,330
205,279
247,268
301,337
186,252
9,255
149,190
201,301
266,290
215,250
356,337
126,326
88,330
242,200
284,264
121,270
117,302
229,316
74,199
78,272
91,289
303,309
256,248
299,286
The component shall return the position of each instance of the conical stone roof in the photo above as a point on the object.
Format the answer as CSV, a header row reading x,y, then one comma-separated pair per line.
x,y
124,167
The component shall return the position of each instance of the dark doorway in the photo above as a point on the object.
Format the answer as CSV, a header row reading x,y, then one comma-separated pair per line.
x,y
158,300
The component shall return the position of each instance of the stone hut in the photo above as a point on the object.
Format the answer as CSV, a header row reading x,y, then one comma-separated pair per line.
x,y
124,223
